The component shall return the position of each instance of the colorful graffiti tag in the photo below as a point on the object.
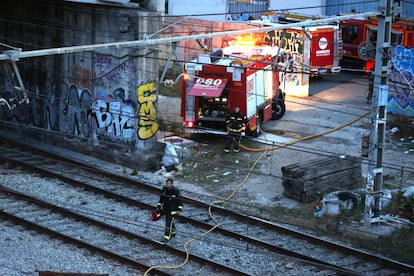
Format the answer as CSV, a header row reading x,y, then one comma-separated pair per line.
x,y
147,113
401,82
71,110
64,109
291,41
115,116
111,73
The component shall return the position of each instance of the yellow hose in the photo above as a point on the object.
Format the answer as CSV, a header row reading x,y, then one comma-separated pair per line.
x,y
265,150
308,137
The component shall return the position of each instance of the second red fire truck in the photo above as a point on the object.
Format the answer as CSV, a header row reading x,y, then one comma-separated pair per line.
x,y
360,37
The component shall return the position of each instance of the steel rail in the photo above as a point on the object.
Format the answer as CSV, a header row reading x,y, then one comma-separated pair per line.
x,y
277,249
77,216
224,212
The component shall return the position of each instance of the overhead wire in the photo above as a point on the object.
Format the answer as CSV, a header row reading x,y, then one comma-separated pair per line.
x,y
64,26
232,194
89,10
353,3
334,110
278,10
315,106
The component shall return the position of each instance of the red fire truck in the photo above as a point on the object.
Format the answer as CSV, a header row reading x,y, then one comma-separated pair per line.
x,y
244,76
360,36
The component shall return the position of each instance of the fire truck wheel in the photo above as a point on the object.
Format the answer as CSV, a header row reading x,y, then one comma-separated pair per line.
x,y
278,110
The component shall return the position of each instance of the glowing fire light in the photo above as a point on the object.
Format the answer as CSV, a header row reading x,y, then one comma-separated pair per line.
x,y
245,40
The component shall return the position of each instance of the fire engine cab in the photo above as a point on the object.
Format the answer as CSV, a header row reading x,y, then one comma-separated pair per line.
x,y
360,37
244,76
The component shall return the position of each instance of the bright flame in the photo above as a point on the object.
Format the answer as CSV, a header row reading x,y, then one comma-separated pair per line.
x,y
245,40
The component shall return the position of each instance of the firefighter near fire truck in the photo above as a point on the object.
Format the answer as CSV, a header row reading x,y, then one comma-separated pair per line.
x,y
236,125
243,76
169,204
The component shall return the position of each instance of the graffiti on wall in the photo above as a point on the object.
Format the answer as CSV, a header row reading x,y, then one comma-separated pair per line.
x,y
104,104
147,113
291,41
63,109
123,114
115,116
111,73
73,112
292,81
401,82
81,77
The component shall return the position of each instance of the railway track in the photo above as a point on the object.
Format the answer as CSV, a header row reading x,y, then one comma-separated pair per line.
x,y
110,241
239,239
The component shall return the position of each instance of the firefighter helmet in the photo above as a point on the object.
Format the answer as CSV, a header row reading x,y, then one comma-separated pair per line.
x,y
156,215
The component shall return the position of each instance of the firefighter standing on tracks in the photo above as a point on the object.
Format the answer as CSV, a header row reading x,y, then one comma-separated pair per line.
x,y
236,123
170,204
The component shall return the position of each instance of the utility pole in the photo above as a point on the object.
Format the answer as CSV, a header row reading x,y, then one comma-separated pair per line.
x,y
374,179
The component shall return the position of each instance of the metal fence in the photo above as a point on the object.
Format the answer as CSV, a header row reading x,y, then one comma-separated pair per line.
x,y
247,9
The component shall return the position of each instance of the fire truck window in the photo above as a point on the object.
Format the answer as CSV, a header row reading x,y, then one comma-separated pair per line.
x,y
373,36
396,39
351,34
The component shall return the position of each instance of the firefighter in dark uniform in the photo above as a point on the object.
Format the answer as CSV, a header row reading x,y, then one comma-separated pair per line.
x,y
236,123
170,204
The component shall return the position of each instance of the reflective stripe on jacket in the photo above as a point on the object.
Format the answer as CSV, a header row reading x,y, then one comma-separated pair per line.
x,y
236,122
170,200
